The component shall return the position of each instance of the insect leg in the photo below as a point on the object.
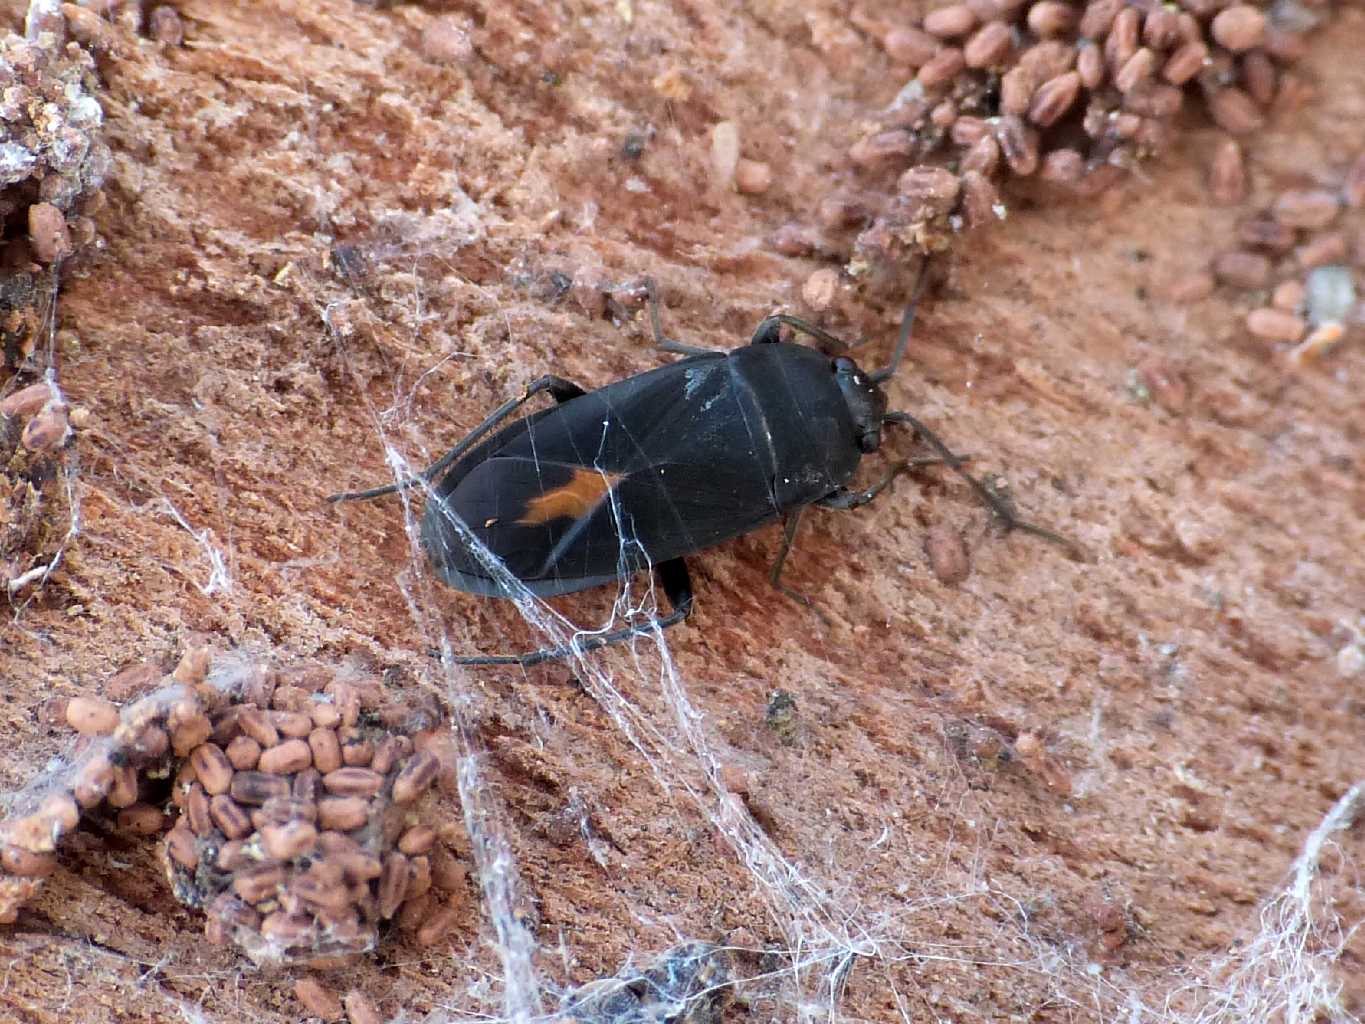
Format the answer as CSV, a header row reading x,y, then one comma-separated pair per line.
x,y
677,586
656,323
907,325
559,389
768,332
996,502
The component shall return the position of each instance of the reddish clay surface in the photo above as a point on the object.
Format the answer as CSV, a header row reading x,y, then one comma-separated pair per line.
x,y
1176,711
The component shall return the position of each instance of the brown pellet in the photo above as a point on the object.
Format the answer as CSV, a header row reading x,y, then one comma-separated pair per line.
x,y
988,46
358,867
1048,59
197,810
1275,324
254,884
1161,28
1242,269
353,782
435,928
875,149
26,863
1322,250
290,840
257,787
141,819
1259,77
323,893
193,667
1049,18
1234,111
942,68
325,715
980,199
1019,144
292,723
25,402
1122,41
389,751
943,115
152,743
1063,166
1098,18
318,1000
291,756
1016,90
233,854
1353,189
910,46
243,753
1185,63
46,431
1289,296
393,884
1227,173
343,813
360,1009
1054,98
286,929
983,157
182,848
357,751
228,815
93,780
1307,208
968,130
255,723
416,775
231,910
950,22
1135,71
60,809
212,768
332,841
417,840
420,882
123,788
1239,28
191,732
947,555
91,716
934,190
1090,66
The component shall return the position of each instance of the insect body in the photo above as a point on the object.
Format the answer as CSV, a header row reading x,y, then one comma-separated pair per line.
x,y
655,467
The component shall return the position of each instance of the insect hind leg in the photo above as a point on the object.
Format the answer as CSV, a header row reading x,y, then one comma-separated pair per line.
x,y
677,586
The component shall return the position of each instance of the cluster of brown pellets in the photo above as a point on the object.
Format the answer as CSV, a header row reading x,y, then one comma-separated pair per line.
x,y
295,811
35,425
1073,94
1299,261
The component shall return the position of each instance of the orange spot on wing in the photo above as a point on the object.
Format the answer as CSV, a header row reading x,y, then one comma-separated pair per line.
x,y
585,489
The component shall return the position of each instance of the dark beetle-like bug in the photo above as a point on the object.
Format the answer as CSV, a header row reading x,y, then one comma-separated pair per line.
x,y
652,468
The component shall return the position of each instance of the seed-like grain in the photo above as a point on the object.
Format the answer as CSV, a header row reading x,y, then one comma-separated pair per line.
x,y
1234,111
1054,98
292,723
190,732
1122,41
307,785
254,884
317,999
25,402
256,724
123,789
980,199
1136,70
290,840
1322,250
1019,143
243,753
91,716
942,68
876,149
393,884
92,780
212,768
1161,28
141,819
988,46
1185,63
416,775
1090,65
257,787
1307,208
1098,18
389,751
288,930
293,755
197,810
417,840
1239,28
353,782
325,714
1259,77
228,815
983,157
343,813
910,46
182,848
26,863
1016,90
1275,324
950,22
1049,18
1289,296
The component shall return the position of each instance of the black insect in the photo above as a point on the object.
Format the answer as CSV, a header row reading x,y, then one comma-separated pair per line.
x,y
647,470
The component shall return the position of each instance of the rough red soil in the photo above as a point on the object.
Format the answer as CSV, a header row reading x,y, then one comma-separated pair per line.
x,y
1185,718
